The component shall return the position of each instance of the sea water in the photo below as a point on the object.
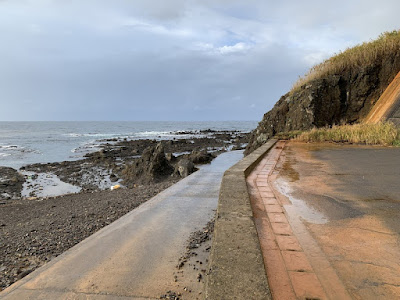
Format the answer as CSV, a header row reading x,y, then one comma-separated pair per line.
x,y
23,143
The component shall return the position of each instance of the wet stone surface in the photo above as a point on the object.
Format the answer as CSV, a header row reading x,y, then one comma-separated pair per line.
x,y
347,197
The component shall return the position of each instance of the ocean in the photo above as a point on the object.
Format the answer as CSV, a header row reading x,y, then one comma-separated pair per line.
x,y
23,143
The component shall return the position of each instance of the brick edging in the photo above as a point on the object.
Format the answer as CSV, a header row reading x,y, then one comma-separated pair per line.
x,y
236,267
290,274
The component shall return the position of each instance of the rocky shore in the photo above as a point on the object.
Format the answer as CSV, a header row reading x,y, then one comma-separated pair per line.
x,y
35,227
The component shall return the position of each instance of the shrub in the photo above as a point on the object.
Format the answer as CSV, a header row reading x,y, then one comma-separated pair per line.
x,y
369,134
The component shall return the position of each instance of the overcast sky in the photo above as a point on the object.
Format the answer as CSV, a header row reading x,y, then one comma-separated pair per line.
x,y
169,59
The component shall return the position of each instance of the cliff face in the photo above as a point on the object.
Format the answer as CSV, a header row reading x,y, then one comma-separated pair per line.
x,y
388,106
333,99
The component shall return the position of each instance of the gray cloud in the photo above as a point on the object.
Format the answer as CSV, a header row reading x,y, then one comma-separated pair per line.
x,y
185,60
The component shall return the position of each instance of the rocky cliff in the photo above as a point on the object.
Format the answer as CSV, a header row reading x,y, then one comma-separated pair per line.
x,y
345,96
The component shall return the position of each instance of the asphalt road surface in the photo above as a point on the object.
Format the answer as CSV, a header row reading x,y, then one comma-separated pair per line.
x,y
344,204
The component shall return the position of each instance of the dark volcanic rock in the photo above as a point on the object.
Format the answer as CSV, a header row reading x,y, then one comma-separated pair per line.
x,y
155,162
153,166
201,157
170,156
10,183
116,160
334,99
184,168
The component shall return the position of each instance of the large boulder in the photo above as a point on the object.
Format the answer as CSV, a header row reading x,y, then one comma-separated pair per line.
x,y
201,157
151,167
184,168
11,182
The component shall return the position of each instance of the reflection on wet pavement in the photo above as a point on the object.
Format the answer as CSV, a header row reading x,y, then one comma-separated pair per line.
x,y
303,208
346,199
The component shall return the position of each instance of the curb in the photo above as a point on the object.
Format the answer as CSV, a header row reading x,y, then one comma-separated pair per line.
x,y
236,267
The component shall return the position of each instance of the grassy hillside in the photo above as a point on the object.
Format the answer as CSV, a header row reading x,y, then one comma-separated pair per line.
x,y
341,90
366,54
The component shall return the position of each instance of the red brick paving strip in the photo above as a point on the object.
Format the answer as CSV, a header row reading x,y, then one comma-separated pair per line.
x,y
289,272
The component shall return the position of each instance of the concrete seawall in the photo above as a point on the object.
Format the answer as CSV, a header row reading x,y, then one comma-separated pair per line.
x,y
236,264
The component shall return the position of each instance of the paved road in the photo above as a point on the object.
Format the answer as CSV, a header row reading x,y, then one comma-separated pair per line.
x,y
134,257
343,203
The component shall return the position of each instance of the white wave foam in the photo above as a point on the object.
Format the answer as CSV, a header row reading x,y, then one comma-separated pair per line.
x,y
134,135
10,149
97,135
87,147
4,154
154,133
7,147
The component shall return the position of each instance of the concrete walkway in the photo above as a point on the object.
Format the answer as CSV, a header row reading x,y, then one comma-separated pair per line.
x,y
134,257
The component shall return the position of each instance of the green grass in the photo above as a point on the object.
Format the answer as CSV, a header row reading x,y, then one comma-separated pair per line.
x,y
368,53
386,134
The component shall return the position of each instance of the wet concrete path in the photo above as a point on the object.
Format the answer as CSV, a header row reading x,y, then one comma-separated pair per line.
x,y
342,204
136,256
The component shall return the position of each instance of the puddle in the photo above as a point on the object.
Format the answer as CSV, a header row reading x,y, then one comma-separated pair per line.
x,y
43,185
288,170
176,154
300,206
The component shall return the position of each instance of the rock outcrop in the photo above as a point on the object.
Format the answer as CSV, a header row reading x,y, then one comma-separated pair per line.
x,y
151,167
201,157
347,97
11,182
184,168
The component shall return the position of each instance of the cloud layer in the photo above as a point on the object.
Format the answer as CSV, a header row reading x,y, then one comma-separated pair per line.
x,y
169,60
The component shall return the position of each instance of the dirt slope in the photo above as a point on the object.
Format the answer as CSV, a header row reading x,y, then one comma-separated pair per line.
x,y
388,105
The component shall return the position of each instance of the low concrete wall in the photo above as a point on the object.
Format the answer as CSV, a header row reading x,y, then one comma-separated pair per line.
x,y
236,263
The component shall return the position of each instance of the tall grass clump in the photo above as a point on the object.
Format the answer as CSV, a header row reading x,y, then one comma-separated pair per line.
x,y
368,53
386,134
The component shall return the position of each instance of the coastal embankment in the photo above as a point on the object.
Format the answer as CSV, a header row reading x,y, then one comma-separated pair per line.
x,y
314,221
158,250
236,268
36,227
